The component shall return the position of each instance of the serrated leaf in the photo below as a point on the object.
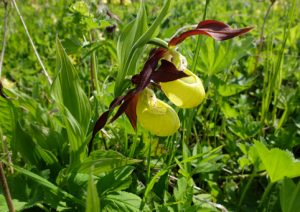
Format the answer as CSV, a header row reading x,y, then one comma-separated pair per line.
x,y
121,201
278,163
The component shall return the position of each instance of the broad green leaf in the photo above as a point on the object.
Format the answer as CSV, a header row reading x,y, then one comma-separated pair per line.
x,y
47,184
278,163
73,103
128,57
103,161
154,180
121,201
7,117
117,180
67,90
92,199
290,196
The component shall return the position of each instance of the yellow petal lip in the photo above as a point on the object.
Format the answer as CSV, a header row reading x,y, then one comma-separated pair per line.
x,y
186,92
156,116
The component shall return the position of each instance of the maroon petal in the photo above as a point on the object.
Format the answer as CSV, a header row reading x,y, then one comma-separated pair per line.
x,y
100,123
102,120
144,77
131,111
167,72
215,29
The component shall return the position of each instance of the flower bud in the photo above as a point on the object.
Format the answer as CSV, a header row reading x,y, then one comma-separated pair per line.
x,y
156,116
186,92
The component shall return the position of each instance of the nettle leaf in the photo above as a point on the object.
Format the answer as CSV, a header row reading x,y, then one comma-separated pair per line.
x,y
290,196
92,199
121,201
278,163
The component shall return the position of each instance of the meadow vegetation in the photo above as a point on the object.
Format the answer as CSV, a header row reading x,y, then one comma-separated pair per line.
x,y
64,62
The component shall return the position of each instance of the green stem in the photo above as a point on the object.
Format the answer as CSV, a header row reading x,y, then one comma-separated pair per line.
x,y
196,55
246,189
262,35
31,42
5,189
265,194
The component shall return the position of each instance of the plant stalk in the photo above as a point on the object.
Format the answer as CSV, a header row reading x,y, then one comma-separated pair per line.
x,y
261,38
31,42
4,36
6,191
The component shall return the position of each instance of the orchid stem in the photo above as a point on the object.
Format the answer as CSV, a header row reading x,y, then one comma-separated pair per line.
x,y
196,55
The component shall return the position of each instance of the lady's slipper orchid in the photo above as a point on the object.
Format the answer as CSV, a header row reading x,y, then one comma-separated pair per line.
x,y
186,92
156,116
168,69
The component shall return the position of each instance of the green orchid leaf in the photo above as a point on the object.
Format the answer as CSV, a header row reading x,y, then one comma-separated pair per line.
x,y
92,200
73,103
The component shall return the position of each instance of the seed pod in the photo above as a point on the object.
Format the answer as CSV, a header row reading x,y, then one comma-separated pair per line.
x,y
156,116
186,92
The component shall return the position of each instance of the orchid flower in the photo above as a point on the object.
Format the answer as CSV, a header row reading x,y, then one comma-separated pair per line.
x,y
167,69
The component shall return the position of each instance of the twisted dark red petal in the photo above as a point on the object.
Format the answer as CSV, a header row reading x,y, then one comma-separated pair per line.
x,y
215,29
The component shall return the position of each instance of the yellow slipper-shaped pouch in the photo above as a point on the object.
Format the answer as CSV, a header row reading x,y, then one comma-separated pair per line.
x,y
156,116
186,92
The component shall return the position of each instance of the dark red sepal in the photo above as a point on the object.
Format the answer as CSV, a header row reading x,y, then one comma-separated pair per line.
x,y
131,111
167,72
215,29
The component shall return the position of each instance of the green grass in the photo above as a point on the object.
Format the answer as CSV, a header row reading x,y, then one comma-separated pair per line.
x,y
236,151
